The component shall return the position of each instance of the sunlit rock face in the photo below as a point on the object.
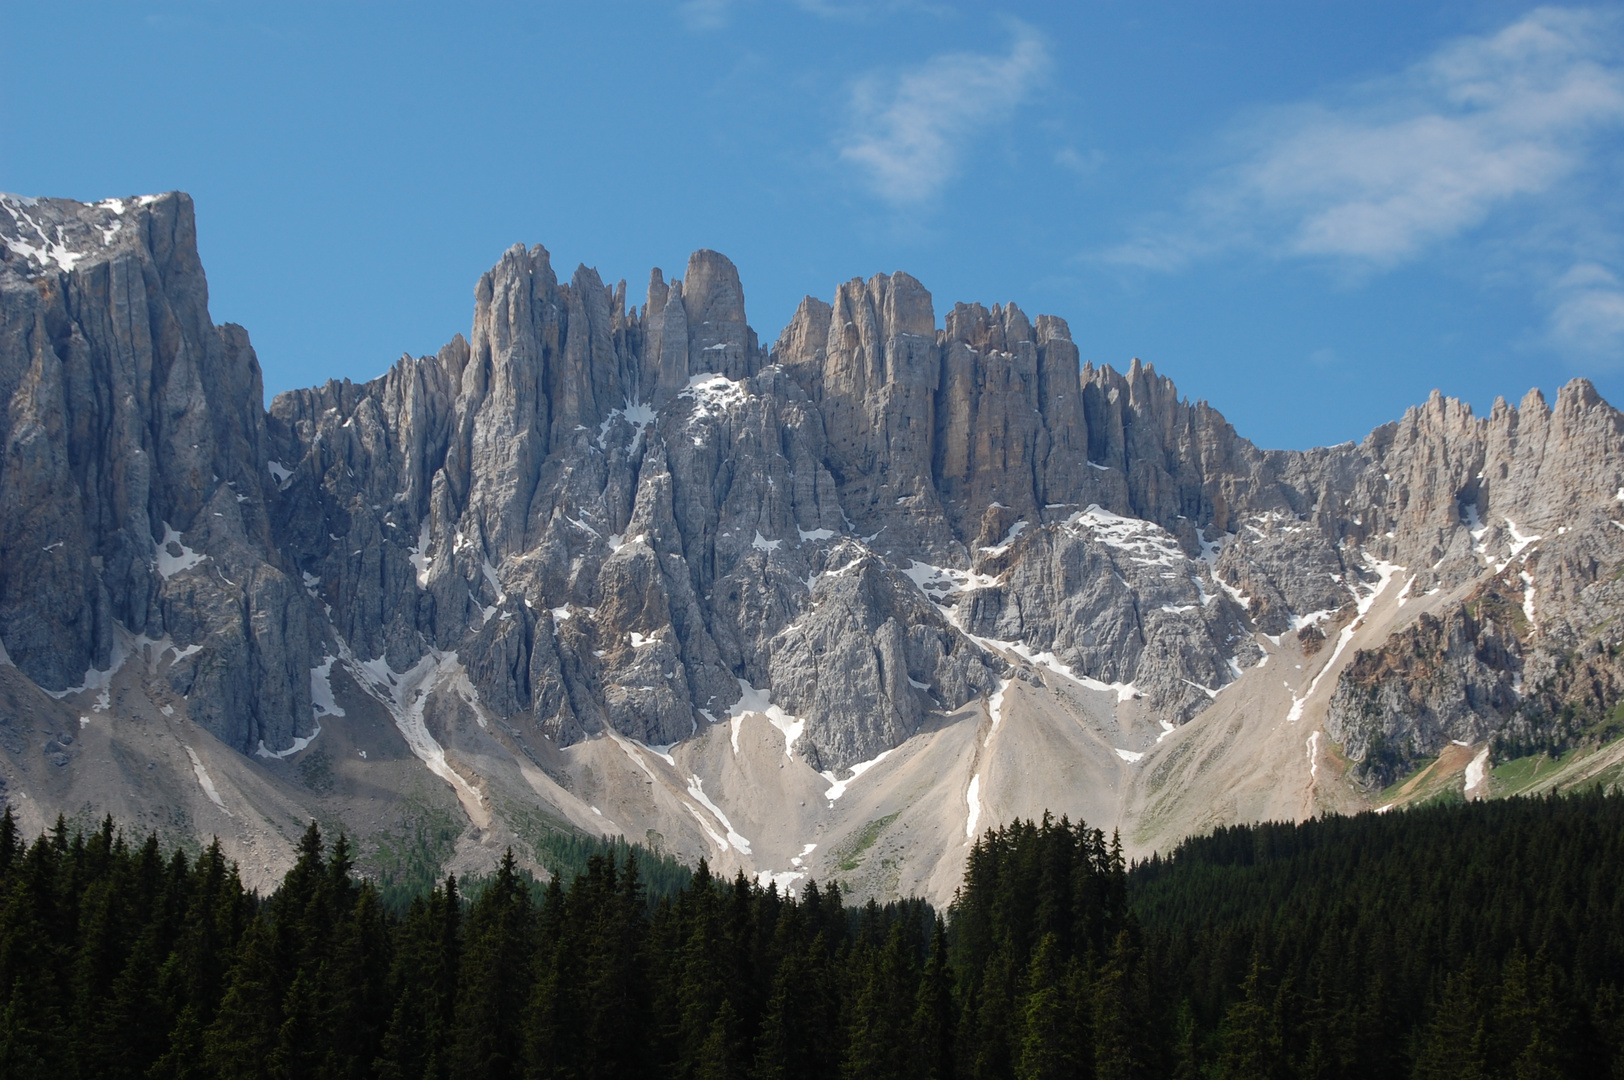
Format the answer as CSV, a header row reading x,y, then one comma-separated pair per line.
x,y
593,517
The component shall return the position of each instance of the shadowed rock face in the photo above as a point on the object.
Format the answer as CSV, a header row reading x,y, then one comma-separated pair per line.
x,y
628,519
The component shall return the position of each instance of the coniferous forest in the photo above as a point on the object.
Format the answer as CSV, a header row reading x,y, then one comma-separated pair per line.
x,y
1482,940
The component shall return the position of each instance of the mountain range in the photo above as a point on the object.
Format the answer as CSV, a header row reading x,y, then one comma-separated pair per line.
x,y
823,608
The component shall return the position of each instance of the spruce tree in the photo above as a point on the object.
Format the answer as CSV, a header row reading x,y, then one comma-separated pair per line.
x,y
494,984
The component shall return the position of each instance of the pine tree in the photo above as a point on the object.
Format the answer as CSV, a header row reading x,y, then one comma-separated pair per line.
x,y
494,984
724,1055
934,1026
422,986
881,1006
1453,1045
242,1040
35,1002
1121,1011
1250,1046
10,844
1050,1020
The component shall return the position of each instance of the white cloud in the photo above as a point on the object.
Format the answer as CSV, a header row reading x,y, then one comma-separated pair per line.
x,y
1324,358
1083,164
715,14
1409,161
1587,314
862,9
706,14
908,133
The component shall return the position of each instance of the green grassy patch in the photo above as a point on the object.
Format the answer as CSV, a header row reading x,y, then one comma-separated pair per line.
x,y
1391,791
1520,774
316,771
1444,794
565,851
850,855
410,859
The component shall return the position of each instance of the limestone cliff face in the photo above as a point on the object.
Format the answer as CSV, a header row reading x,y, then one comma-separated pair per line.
x,y
1526,502
613,518
137,499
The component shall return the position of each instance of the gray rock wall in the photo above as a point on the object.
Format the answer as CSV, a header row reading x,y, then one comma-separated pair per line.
x,y
628,518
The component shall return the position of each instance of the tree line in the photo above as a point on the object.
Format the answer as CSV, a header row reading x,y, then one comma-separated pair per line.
x,y
1483,940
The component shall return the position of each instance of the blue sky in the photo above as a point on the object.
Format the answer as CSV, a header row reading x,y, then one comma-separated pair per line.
x,y
1308,214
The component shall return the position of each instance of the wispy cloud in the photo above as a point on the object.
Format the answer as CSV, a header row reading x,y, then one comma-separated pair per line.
x,y
1400,166
1587,312
1406,161
1083,164
715,14
908,132
706,14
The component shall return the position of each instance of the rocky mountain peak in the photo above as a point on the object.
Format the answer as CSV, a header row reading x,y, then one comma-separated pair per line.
x,y
588,546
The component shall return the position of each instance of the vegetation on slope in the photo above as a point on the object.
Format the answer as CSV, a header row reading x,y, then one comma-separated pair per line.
x,y
1481,940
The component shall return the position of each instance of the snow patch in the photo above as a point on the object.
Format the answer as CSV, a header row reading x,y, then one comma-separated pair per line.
x,y
696,791
420,557
1128,755
711,392
1313,618
279,471
752,700
47,251
631,749
972,797
321,689
1210,549
1476,530
1477,769
1209,691
204,781
1123,691
405,694
1144,542
1385,572
635,413
815,534
837,788
1009,538
783,879
1313,755
761,543
102,681
169,565
995,710
940,582
298,743
1518,540
662,752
